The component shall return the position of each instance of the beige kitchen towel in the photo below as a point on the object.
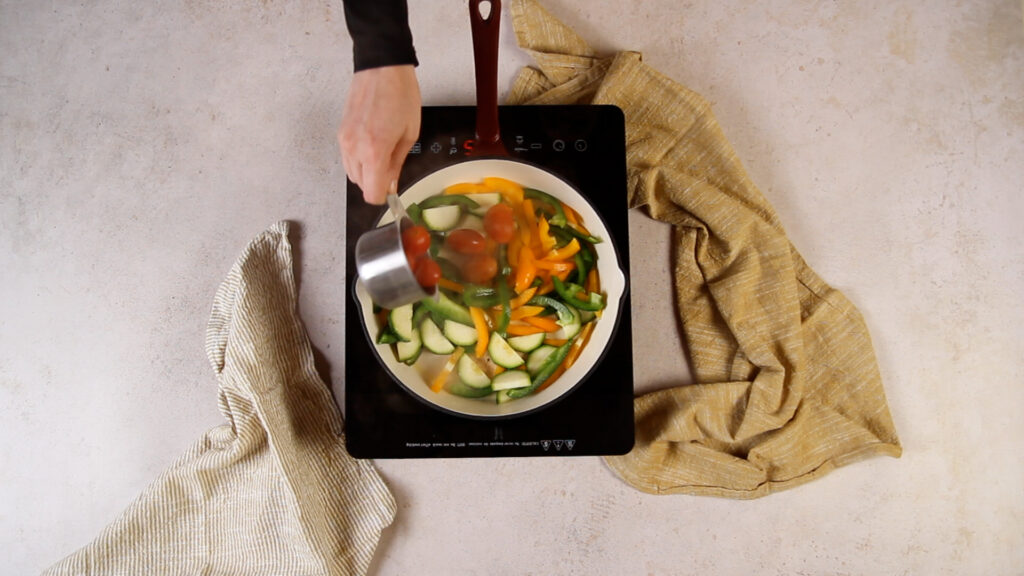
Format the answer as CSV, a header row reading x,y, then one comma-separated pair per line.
x,y
788,387
273,490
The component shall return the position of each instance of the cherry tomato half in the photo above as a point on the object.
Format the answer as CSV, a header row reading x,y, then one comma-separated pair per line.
x,y
500,223
427,272
466,241
415,241
479,268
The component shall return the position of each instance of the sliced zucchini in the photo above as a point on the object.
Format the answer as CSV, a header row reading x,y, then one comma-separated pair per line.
x,y
503,354
511,379
459,389
442,218
502,396
433,339
472,221
485,201
471,374
459,334
400,320
409,352
527,343
448,309
546,370
536,359
571,327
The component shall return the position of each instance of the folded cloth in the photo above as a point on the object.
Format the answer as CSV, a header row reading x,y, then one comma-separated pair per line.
x,y
787,387
273,491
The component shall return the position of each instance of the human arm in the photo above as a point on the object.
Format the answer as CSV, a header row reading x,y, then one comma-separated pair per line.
x,y
381,119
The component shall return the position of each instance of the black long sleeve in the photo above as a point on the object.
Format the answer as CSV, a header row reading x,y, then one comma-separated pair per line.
x,y
380,33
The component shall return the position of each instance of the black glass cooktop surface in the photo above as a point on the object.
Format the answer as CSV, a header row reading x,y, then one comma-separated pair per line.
x,y
584,145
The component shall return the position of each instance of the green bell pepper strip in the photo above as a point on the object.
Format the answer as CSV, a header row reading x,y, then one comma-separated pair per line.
x,y
461,200
415,214
593,303
588,238
547,368
501,286
480,296
565,315
504,298
387,335
448,269
558,219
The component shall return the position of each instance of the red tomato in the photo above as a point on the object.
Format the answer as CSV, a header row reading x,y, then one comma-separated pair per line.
x,y
500,223
415,241
427,272
466,241
479,268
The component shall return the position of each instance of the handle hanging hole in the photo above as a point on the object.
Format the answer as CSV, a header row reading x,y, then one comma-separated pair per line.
x,y
484,9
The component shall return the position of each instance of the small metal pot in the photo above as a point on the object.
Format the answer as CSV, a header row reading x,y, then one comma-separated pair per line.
x,y
382,265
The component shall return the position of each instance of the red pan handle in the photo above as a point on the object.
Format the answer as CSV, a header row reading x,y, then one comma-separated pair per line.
x,y
485,58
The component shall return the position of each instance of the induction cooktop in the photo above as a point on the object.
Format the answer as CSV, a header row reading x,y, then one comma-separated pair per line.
x,y
584,145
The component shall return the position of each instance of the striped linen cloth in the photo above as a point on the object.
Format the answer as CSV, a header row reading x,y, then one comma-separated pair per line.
x,y
273,491
788,387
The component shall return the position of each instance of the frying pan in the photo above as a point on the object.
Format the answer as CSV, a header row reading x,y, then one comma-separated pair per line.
x,y
490,158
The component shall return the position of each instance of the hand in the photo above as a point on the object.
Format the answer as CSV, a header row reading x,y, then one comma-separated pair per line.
x,y
380,124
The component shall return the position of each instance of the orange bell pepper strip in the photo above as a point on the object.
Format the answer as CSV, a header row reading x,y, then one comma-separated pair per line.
x,y
542,322
483,333
466,188
515,329
555,267
526,270
570,215
453,286
523,298
438,383
564,252
577,346
511,191
526,311
593,281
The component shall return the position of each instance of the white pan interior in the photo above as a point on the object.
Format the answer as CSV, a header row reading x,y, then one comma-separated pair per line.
x,y
416,378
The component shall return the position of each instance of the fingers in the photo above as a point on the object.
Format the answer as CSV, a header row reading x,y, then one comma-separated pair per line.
x,y
379,126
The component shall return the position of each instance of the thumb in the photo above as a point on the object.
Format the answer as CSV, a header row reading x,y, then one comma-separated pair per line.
x,y
376,179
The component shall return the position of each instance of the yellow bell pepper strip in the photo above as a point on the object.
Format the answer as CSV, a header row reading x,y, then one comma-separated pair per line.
x,y
528,214
466,188
547,241
511,191
518,329
438,383
564,252
523,298
525,270
483,331
542,322
526,311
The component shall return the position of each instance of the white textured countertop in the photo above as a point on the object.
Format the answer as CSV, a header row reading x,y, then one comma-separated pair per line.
x,y
143,144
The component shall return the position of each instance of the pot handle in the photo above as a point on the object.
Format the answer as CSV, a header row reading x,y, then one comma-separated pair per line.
x,y
485,59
